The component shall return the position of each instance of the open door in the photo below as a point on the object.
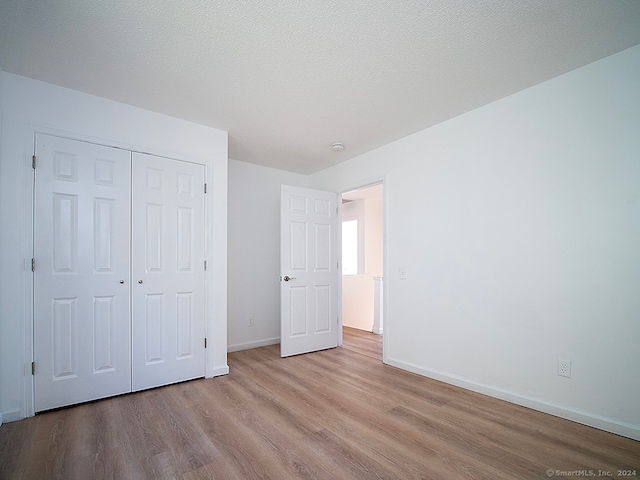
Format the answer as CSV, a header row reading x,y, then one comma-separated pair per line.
x,y
309,281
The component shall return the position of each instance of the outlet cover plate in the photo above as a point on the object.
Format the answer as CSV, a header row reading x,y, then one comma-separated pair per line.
x,y
564,368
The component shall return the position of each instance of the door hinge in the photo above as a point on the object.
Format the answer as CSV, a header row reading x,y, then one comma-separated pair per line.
x,y
33,264
33,162
33,368
205,342
205,265
205,188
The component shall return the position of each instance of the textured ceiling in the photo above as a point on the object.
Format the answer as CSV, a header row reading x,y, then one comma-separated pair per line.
x,y
287,78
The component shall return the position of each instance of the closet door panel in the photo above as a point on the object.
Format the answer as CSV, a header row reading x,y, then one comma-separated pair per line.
x,y
168,271
82,268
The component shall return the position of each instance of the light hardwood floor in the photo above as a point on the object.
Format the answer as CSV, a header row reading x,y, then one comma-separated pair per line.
x,y
337,414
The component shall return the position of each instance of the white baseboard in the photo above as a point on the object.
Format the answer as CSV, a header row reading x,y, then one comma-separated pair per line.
x,y
603,423
9,416
355,327
249,345
219,370
369,330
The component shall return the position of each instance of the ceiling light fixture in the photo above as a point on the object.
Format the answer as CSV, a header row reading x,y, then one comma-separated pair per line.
x,y
338,147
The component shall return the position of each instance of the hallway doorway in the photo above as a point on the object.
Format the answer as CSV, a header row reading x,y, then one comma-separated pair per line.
x,y
362,258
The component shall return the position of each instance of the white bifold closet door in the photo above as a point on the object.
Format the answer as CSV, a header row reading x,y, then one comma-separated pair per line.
x,y
168,271
119,272
82,268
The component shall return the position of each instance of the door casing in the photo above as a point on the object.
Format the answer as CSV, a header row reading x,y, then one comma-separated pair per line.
x,y
364,183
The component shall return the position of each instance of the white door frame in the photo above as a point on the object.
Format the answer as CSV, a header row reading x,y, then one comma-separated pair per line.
x,y
25,230
385,251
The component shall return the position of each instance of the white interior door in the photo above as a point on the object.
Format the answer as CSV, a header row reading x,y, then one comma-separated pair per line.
x,y
168,271
81,277
309,284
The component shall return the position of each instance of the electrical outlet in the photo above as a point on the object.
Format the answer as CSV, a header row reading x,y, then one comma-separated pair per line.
x,y
564,368
251,321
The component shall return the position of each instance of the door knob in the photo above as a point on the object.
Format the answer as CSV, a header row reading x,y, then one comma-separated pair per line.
x,y
139,281
287,278
121,281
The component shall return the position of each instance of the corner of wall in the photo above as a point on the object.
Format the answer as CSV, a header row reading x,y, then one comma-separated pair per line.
x,y
253,253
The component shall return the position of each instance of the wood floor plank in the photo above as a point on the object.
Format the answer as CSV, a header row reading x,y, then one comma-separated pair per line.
x,y
460,439
335,414
538,447
240,451
350,461
15,440
49,446
108,464
189,448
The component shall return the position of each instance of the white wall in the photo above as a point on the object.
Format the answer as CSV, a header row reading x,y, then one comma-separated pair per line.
x,y
254,253
519,224
357,290
29,106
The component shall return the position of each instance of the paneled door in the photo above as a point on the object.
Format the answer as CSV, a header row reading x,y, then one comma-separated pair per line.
x,y
168,271
82,267
309,275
